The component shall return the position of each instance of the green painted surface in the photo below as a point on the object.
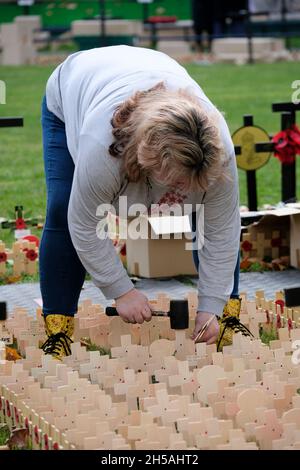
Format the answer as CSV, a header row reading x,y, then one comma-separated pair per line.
x,y
61,13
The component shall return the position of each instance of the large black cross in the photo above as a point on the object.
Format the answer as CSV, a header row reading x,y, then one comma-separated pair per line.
x,y
288,174
288,171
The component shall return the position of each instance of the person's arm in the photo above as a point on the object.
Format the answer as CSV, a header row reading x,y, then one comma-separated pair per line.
x,y
96,181
218,256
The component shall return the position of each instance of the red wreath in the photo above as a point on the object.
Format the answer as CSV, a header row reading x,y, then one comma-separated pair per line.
x,y
287,144
20,223
246,245
3,257
31,255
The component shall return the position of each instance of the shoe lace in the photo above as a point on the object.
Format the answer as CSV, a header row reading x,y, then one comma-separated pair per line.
x,y
55,342
234,324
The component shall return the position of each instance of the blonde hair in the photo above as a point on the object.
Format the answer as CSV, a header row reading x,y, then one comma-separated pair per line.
x,y
169,132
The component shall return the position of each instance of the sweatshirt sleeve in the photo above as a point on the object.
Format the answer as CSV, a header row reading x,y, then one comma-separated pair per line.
x,y
221,237
96,181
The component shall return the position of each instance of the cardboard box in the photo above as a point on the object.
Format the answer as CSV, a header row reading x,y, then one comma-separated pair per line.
x,y
295,240
163,253
276,234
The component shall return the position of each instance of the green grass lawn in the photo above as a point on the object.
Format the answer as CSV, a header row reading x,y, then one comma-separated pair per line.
x,y
236,90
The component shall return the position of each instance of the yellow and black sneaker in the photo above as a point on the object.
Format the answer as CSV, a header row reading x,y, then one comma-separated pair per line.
x,y
230,324
59,329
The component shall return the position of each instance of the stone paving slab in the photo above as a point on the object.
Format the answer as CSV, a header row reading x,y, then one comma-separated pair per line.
x,y
23,295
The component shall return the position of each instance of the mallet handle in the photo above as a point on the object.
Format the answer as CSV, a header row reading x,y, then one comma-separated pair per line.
x,y
112,312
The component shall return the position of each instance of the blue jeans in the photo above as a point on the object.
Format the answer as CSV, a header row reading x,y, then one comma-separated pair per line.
x,y
61,272
236,275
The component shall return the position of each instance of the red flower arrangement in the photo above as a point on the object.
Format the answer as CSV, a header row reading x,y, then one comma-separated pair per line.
x,y
287,144
3,257
20,223
31,255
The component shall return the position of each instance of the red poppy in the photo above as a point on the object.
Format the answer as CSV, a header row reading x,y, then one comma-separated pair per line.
x,y
20,223
123,250
280,302
3,257
36,434
46,441
8,409
32,238
287,144
55,446
31,255
278,321
246,245
290,324
276,242
16,414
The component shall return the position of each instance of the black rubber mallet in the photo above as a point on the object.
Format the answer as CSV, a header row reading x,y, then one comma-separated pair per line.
x,y
178,313
292,297
3,311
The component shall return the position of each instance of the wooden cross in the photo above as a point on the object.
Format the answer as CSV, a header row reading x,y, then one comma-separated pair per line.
x,y
270,430
257,248
33,335
20,222
288,171
248,151
288,112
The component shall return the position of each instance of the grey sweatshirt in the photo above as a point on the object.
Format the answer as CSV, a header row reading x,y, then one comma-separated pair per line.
x,y
83,92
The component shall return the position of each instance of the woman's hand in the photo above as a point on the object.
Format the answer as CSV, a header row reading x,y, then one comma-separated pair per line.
x,y
210,336
133,307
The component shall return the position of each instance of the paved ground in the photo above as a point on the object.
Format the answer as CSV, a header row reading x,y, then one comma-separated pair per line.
x,y
24,294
